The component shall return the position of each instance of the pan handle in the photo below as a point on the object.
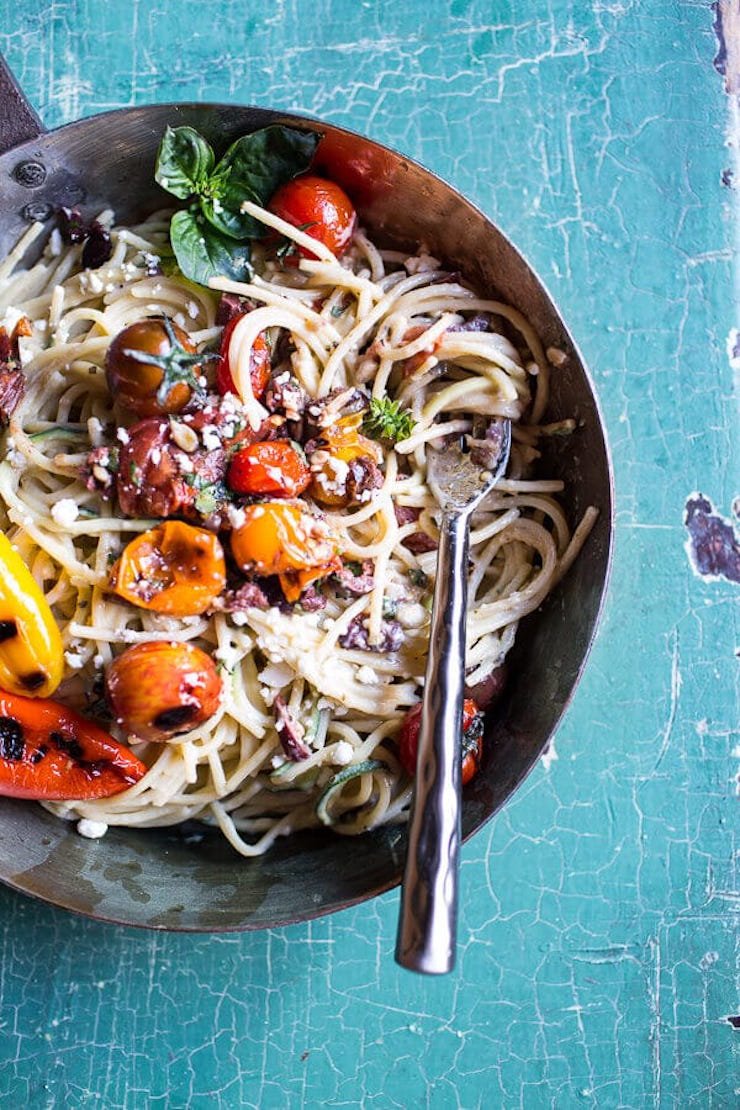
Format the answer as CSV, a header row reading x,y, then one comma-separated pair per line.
x,y
18,120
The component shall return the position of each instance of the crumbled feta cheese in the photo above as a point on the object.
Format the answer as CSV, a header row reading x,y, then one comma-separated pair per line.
x,y
367,676
98,661
122,436
74,660
94,283
210,437
229,656
65,512
278,761
55,243
410,614
193,309
342,754
236,516
239,618
276,674
93,830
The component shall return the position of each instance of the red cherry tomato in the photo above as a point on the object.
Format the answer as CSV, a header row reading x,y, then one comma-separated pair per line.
x,y
318,207
272,469
260,363
472,742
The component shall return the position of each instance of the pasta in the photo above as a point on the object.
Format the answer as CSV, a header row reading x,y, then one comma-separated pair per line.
x,y
375,320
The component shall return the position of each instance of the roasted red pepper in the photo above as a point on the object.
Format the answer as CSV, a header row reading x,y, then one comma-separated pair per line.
x,y
50,752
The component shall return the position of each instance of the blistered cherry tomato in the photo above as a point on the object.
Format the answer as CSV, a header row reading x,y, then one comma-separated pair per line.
x,y
160,689
152,368
272,469
174,568
283,538
259,368
472,740
320,208
338,445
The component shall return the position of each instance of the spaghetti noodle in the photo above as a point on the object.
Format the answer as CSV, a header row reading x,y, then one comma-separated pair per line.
x,y
377,320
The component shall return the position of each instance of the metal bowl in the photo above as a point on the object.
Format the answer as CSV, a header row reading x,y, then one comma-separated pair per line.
x,y
191,879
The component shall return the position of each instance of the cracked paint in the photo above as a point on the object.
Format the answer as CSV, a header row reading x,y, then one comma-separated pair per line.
x,y
598,929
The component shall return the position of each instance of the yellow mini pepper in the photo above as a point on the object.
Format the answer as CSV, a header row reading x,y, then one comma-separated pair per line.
x,y
31,650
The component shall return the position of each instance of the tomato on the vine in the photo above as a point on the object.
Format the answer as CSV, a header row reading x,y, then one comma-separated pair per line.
x,y
152,368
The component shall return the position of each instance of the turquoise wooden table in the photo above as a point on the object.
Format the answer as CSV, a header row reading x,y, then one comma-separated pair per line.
x,y
596,965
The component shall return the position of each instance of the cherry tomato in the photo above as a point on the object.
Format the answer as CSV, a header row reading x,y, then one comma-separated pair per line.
x,y
283,538
472,742
411,364
275,469
340,443
158,690
48,751
174,568
318,207
366,171
152,369
260,363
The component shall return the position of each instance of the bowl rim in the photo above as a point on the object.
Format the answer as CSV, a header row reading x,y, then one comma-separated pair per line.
x,y
311,913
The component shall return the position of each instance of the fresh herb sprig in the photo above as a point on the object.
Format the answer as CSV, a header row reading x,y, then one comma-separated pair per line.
x,y
387,421
211,236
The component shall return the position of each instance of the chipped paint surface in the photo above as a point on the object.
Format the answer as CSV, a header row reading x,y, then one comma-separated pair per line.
x,y
712,546
597,962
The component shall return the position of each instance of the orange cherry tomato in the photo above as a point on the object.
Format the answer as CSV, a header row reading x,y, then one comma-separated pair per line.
x,y
275,469
151,367
50,752
283,538
320,208
174,568
158,690
344,443
472,742
260,366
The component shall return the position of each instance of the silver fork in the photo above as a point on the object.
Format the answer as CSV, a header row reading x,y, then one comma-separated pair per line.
x,y
427,924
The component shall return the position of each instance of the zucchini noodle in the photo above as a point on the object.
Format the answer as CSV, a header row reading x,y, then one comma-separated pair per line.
x,y
351,322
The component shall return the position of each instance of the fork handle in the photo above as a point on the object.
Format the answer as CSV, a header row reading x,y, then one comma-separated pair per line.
x,y
428,918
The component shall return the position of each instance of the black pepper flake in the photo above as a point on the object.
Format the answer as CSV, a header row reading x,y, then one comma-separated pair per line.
x,y
39,754
11,739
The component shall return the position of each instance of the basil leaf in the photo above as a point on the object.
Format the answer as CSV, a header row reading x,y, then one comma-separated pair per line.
x,y
203,253
184,162
253,168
